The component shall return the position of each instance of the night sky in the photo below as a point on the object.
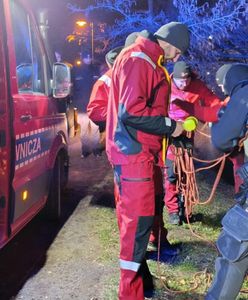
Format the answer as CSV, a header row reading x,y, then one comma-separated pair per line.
x,y
61,22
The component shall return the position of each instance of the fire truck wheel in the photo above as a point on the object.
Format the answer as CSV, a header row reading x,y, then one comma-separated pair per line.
x,y
52,209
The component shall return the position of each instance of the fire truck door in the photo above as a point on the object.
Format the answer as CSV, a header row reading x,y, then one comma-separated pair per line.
x,y
33,122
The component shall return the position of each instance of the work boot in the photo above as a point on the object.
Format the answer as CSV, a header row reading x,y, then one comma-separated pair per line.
x,y
193,218
85,154
97,151
165,248
168,253
174,219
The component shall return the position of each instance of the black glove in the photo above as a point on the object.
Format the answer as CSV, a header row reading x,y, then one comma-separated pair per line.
x,y
182,142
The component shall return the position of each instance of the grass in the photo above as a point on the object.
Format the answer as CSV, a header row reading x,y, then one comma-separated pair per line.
x,y
105,227
196,262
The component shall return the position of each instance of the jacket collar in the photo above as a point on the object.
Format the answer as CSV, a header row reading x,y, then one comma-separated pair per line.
x,y
150,47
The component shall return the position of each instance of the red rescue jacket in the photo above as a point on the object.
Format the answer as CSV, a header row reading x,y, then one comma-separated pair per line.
x,y
97,106
205,103
137,108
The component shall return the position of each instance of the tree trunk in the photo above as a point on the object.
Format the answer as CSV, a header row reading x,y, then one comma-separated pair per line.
x,y
150,7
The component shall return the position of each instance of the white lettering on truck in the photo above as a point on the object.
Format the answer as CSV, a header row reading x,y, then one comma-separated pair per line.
x,y
32,145
28,148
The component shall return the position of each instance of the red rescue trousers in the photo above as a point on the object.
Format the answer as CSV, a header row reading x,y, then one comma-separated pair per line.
x,y
170,180
158,223
135,208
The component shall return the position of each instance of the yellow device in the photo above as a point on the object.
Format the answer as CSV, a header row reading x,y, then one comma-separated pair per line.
x,y
190,124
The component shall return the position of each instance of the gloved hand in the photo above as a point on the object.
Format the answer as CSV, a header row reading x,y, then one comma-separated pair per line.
x,y
182,142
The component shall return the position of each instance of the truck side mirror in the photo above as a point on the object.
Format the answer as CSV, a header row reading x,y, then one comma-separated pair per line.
x,y
61,80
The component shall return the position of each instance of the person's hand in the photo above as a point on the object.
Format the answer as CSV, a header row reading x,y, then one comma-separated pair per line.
x,y
182,142
178,130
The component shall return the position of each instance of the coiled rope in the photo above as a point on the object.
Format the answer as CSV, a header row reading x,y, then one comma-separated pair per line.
x,y
187,187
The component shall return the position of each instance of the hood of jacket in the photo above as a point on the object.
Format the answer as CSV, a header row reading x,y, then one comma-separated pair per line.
x,y
235,78
148,35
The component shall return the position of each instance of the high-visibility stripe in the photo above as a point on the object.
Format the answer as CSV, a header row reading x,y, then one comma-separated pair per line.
x,y
106,79
143,56
167,122
29,133
129,265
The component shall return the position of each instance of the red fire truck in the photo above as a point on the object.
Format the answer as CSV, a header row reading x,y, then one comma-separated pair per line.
x,y
33,123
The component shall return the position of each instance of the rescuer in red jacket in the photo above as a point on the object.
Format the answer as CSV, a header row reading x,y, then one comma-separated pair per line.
x,y
97,112
136,123
97,106
189,96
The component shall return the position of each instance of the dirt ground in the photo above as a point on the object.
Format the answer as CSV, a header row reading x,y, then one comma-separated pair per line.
x,y
72,269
